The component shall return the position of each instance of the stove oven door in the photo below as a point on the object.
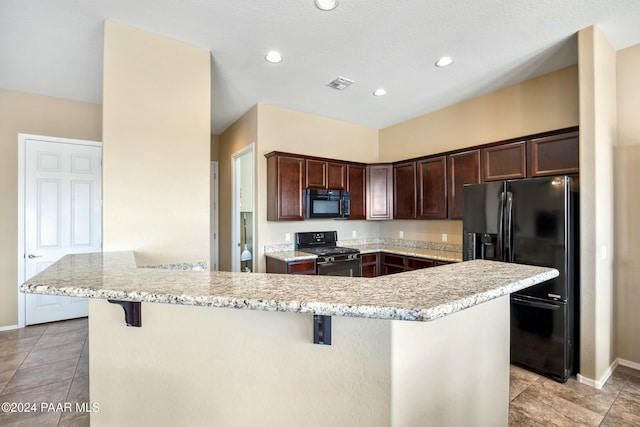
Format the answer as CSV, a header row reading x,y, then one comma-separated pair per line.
x,y
349,268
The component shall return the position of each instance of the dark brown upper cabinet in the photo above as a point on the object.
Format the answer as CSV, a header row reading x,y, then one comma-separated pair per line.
x,y
357,186
501,162
404,191
285,187
326,175
316,174
554,155
432,188
336,176
379,191
464,168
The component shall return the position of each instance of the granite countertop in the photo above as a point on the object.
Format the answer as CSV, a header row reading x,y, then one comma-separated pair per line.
x,y
419,295
293,255
410,251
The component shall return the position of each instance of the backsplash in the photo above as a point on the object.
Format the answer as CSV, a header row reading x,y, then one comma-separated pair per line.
x,y
438,246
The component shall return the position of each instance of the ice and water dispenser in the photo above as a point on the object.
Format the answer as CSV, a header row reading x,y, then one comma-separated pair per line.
x,y
481,246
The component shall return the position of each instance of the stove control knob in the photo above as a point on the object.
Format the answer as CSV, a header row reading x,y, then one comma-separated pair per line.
x,y
330,259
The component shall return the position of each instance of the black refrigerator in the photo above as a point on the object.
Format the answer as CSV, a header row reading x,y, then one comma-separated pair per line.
x,y
535,222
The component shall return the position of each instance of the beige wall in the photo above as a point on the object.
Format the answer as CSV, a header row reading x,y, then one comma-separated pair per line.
x,y
236,138
277,129
597,64
545,103
627,205
201,366
40,115
542,104
295,132
215,148
157,141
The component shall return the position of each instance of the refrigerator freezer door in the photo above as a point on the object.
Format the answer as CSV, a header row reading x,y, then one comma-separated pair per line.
x,y
483,208
541,336
540,216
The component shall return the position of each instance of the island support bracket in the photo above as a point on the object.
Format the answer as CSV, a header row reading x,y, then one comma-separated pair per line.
x,y
132,312
321,329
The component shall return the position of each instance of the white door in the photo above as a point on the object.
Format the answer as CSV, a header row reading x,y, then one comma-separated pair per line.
x,y
63,198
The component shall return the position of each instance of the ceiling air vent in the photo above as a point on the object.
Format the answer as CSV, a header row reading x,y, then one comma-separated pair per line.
x,y
340,83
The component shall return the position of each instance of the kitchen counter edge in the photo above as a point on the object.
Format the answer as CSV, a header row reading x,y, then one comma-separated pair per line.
x,y
420,295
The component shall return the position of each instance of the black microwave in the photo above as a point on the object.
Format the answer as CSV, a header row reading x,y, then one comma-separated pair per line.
x,y
327,203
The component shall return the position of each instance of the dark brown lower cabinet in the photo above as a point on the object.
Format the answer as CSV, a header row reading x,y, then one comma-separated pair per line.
x,y
370,265
418,263
275,265
392,263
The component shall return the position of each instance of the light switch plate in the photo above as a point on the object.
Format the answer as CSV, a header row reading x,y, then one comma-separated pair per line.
x,y
402,234
287,237
354,233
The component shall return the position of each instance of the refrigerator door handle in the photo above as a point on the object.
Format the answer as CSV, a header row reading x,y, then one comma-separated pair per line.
x,y
536,304
500,226
509,237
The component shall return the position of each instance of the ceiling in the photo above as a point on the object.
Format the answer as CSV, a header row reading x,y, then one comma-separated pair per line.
x,y
54,48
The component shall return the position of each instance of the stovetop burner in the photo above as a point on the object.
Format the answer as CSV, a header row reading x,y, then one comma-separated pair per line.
x,y
321,243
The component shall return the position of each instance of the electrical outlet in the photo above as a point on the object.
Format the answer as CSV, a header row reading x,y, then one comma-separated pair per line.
x,y
402,234
444,237
354,233
287,237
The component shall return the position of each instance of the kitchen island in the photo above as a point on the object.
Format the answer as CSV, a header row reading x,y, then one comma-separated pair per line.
x,y
427,347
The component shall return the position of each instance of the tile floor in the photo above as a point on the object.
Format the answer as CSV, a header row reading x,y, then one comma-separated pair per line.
x,y
50,363
539,401
45,364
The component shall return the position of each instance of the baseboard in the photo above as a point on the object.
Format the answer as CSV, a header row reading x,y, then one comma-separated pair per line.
x,y
603,379
628,364
599,383
8,328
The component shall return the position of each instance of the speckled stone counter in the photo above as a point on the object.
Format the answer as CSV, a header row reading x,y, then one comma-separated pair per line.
x,y
291,255
250,360
438,251
420,295
410,251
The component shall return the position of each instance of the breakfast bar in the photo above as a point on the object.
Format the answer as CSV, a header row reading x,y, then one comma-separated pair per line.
x,y
425,347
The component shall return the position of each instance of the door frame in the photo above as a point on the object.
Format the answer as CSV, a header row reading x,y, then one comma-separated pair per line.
x,y
22,158
214,261
235,207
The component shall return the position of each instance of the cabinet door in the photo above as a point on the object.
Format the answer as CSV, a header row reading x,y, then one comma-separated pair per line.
x,y
285,187
554,155
464,168
336,176
404,191
301,267
432,188
370,264
356,185
419,263
316,174
379,191
503,162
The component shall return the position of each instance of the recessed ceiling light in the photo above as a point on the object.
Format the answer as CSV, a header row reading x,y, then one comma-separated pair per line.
x,y
273,57
445,61
326,4
380,92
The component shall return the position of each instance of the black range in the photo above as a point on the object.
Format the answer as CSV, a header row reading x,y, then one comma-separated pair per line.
x,y
332,260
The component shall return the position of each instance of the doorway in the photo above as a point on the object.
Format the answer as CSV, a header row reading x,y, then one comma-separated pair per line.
x,y
243,224
213,226
60,203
